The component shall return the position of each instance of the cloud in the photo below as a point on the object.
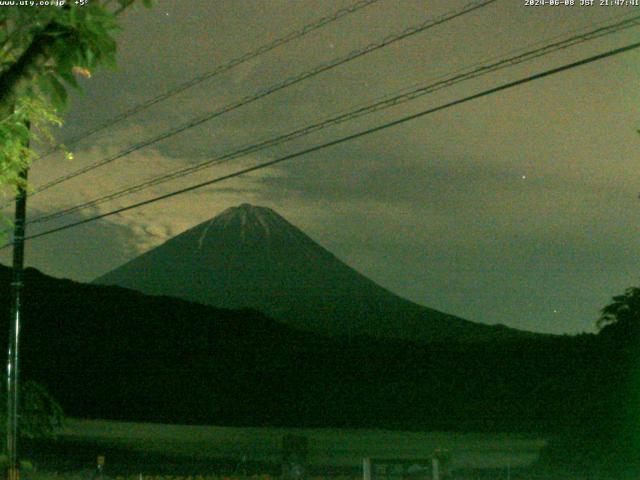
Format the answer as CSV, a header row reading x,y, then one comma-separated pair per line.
x,y
81,253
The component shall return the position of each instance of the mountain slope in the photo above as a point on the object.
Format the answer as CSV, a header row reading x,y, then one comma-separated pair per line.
x,y
110,352
252,257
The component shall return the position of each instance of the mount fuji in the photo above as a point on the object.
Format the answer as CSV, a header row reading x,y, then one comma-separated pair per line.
x,y
251,257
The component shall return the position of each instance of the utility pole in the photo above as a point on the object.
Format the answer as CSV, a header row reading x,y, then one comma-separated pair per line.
x,y
14,328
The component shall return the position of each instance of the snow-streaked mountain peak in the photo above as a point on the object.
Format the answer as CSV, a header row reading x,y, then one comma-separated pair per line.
x,y
250,220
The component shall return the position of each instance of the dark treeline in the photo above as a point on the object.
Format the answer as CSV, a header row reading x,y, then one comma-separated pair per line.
x,y
108,352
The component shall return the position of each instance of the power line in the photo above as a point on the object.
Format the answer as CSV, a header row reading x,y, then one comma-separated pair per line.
x,y
352,114
347,138
427,24
291,36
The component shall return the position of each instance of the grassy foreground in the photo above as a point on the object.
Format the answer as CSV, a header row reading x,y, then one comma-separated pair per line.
x,y
145,451
330,451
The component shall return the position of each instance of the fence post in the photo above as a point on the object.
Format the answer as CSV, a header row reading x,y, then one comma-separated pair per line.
x,y
366,469
435,469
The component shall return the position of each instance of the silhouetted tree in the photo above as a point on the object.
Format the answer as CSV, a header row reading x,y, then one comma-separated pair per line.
x,y
40,413
625,309
620,320
608,431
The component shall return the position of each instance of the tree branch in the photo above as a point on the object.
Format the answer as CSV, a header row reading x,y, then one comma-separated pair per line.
x,y
24,69
123,7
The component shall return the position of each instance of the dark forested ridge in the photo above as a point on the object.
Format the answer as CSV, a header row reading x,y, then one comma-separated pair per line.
x,y
108,352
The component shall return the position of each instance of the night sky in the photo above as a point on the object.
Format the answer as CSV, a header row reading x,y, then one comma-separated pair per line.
x,y
520,207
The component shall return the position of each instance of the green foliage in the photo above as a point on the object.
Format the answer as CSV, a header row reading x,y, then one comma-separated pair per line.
x,y
15,136
40,414
609,433
42,51
623,311
48,44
